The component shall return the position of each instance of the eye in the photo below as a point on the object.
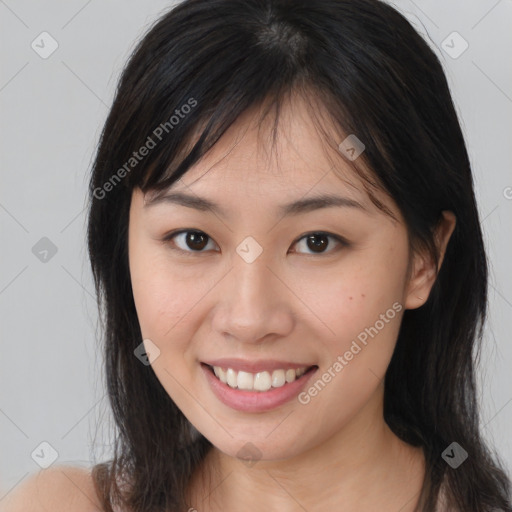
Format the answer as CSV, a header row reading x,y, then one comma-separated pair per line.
x,y
188,238
192,241
318,241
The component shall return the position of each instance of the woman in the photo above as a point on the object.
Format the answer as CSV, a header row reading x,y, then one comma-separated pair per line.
x,y
254,105
285,240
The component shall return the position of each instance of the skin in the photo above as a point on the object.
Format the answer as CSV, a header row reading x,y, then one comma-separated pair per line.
x,y
290,304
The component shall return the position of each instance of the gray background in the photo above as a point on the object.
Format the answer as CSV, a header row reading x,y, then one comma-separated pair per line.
x,y
52,111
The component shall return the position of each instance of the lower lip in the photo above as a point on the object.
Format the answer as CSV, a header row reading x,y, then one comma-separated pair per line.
x,y
256,401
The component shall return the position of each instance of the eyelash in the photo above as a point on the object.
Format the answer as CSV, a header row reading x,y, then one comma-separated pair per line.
x,y
168,240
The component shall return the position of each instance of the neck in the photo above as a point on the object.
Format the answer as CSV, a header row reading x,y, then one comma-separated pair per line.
x,y
360,467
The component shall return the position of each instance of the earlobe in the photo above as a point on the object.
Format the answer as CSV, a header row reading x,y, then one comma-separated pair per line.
x,y
424,271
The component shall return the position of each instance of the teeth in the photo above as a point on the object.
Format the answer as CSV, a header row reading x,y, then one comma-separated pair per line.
x,y
278,378
245,380
290,375
261,381
231,377
300,372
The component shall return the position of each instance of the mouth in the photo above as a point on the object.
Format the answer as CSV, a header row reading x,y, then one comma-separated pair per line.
x,y
256,392
259,382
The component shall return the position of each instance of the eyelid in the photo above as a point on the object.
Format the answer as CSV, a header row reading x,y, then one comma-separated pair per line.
x,y
341,240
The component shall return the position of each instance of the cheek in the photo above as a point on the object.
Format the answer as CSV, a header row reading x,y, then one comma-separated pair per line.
x,y
163,301
160,295
363,311
360,304
355,295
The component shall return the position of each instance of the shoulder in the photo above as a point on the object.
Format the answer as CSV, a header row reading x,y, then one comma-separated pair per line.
x,y
60,488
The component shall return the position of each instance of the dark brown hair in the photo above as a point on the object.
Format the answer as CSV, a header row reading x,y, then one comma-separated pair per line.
x,y
196,70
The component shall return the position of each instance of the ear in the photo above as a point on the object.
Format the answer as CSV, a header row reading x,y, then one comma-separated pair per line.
x,y
424,271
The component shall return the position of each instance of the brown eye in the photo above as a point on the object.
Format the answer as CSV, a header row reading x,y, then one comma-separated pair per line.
x,y
189,240
196,240
317,242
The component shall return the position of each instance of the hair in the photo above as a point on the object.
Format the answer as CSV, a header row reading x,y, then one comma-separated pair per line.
x,y
199,67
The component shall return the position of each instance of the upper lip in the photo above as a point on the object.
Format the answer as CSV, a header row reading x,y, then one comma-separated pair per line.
x,y
256,366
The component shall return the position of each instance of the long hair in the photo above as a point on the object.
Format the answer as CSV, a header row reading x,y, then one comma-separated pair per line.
x,y
196,70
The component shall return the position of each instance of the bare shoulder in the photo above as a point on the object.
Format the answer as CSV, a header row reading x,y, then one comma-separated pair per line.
x,y
56,489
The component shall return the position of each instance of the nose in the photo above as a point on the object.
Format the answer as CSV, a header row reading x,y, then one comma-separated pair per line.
x,y
253,303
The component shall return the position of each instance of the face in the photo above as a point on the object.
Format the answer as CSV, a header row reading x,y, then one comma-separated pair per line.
x,y
261,292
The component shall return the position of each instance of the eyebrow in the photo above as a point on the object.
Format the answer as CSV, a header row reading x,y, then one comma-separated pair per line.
x,y
297,207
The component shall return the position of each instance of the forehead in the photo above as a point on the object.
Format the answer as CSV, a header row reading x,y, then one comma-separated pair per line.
x,y
263,162
301,158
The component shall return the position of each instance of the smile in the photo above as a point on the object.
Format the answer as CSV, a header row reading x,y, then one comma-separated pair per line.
x,y
261,381
257,391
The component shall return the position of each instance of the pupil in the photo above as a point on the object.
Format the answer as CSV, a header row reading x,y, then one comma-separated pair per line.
x,y
320,245
193,238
